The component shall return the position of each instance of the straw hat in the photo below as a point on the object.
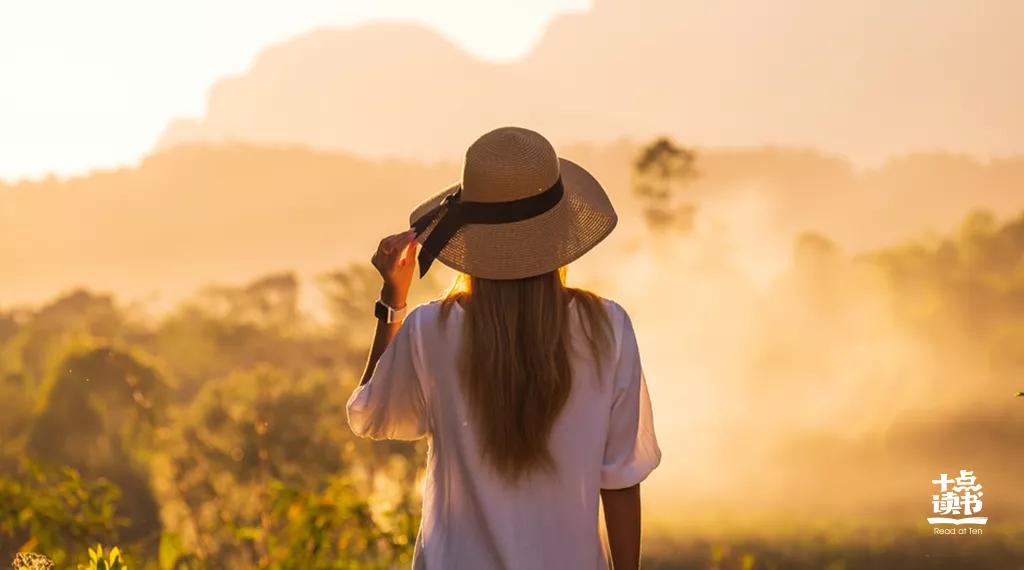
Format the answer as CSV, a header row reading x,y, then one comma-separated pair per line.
x,y
518,211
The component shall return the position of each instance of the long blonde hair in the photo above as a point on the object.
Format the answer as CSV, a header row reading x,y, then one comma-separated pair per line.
x,y
515,366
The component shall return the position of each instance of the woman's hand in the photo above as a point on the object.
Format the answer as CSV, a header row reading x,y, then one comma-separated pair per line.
x,y
395,259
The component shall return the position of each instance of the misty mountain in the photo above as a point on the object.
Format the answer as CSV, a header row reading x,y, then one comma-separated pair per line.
x,y
863,79
196,215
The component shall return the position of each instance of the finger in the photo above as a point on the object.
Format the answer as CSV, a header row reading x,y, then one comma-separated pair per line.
x,y
395,241
388,245
392,243
403,239
409,253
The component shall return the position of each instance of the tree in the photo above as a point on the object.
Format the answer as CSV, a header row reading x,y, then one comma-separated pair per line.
x,y
334,526
100,409
349,294
55,511
270,302
243,437
659,174
30,339
226,329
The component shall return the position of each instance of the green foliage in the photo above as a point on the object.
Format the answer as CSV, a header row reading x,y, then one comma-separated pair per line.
x,y
55,510
965,292
238,438
975,277
243,402
223,423
98,560
348,293
16,412
270,302
106,404
172,554
106,400
227,329
31,340
336,528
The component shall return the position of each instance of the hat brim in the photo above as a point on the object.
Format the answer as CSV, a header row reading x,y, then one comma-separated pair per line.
x,y
581,219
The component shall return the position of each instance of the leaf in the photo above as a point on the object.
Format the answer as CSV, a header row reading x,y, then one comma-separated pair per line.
x,y
171,549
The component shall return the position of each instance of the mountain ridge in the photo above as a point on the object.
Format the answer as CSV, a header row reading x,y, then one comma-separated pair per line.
x,y
197,214
860,81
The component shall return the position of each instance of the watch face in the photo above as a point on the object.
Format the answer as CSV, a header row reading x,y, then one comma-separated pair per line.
x,y
380,310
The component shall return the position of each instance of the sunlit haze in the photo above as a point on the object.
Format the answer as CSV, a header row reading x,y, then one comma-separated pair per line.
x,y
92,84
819,243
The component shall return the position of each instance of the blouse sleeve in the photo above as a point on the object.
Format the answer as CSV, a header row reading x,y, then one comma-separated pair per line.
x,y
631,449
391,404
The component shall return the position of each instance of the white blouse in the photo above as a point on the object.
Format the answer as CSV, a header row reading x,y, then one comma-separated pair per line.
x,y
472,519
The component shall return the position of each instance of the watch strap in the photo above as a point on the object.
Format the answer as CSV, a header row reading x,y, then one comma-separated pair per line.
x,y
387,313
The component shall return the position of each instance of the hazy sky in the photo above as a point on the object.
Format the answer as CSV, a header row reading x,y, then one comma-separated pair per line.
x,y
92,84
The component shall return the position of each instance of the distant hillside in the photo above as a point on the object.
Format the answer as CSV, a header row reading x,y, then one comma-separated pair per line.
x,y
184,218
863,79
200,214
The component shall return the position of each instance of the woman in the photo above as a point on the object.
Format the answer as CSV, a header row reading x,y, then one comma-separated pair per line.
x,y
531,392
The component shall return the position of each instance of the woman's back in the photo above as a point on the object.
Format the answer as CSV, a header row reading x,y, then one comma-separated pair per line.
x,y
473,516
531,393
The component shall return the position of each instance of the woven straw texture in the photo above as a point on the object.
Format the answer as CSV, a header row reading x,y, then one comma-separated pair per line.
x,y
512,163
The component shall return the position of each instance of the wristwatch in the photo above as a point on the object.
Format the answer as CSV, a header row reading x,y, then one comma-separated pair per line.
x,y
387,313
